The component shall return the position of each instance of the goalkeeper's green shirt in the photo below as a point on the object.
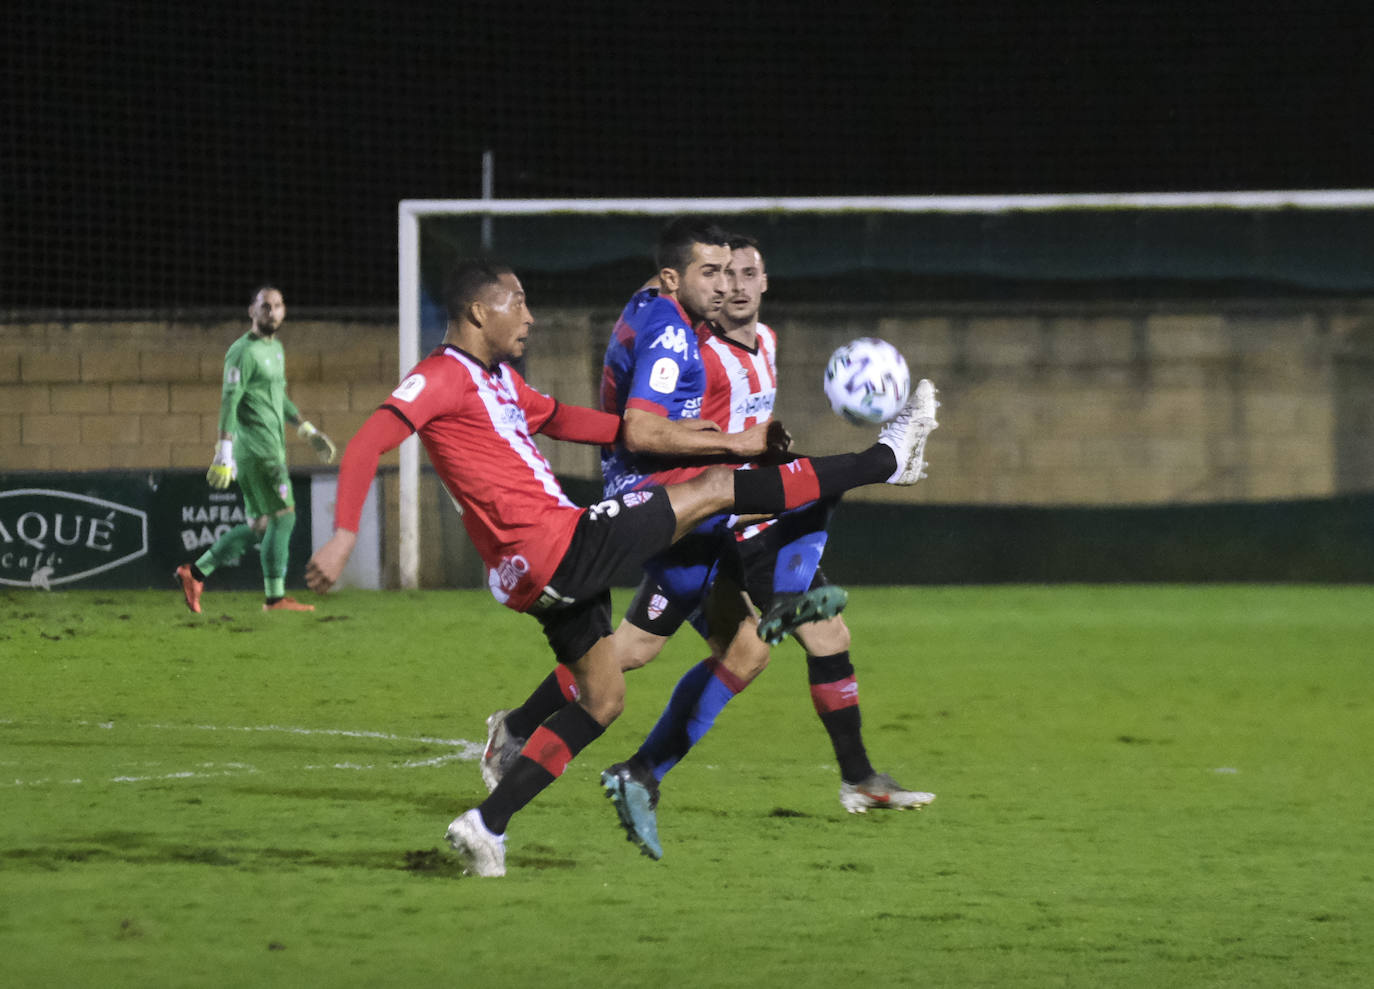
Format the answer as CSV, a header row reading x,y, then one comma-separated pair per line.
x,y
253,407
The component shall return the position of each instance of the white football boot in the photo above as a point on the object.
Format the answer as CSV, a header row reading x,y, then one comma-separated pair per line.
x,y
483,853
906,434
880,791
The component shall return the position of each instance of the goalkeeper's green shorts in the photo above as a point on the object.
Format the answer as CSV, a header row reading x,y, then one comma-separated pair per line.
x,y
266,487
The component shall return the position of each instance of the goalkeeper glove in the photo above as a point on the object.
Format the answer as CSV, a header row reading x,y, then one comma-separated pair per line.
x,y
324,446
223,469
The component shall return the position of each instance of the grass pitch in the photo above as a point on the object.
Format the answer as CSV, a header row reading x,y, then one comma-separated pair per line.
x,y
1138,786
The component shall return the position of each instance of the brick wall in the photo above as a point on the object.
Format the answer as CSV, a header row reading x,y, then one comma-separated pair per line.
x,y
89,395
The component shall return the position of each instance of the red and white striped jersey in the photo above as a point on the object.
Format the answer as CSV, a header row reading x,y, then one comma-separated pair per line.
x,y
477,426
741,384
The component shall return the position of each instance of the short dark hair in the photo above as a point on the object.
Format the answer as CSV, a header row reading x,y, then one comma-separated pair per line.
x,y
741,241
467,279
677,239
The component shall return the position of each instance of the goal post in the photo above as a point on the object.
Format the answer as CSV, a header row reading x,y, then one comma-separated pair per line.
x,y
899,252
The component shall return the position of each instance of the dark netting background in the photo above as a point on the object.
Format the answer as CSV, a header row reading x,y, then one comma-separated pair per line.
x,y
166,156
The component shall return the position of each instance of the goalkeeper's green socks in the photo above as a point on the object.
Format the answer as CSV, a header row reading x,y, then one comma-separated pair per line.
x,y
275,550
226,551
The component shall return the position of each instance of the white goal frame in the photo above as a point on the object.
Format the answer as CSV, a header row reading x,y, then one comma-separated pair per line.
x,y
411,211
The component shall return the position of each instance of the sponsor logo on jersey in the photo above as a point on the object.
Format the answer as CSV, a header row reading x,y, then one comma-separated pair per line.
x,y
691,409
232,375
755,405
673,338
409,389
634,498
657,605
503,578
663,376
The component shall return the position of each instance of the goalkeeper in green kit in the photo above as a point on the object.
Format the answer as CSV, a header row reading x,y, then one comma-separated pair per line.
x,y
253,414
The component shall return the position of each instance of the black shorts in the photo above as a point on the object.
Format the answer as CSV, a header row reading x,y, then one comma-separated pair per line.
x,y
653,610
624,531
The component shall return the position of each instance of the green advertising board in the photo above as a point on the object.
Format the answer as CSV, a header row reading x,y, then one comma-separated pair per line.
x,y
125,529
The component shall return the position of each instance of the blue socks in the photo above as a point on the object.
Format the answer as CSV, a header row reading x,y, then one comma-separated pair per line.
x,y
697,700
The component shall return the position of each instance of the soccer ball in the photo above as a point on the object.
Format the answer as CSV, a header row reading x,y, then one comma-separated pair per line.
x,y
867,381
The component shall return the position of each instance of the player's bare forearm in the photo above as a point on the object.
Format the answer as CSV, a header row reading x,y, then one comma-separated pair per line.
x,y
644,432
323,569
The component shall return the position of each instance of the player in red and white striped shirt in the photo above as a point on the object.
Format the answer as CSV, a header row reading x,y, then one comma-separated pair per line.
x,y
476,417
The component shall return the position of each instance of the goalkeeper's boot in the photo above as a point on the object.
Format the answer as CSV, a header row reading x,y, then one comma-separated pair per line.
x,y
502,750
190,587
634,792
881,791
906,434
483,853
286,604
789,611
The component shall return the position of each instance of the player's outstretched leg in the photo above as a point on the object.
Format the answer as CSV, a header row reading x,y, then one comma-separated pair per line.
x,y
880,791
789,611
906,434
898,457
634,793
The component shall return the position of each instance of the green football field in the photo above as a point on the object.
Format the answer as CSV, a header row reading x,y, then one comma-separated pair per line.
x,y
1137,786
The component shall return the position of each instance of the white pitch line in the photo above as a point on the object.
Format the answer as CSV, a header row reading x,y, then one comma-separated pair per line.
x,y
467,751
339,732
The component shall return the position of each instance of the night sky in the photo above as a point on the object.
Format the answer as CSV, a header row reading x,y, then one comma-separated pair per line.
x,y
176,155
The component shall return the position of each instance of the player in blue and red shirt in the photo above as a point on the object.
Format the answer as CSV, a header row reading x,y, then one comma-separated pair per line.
x,y
476,417
739,353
